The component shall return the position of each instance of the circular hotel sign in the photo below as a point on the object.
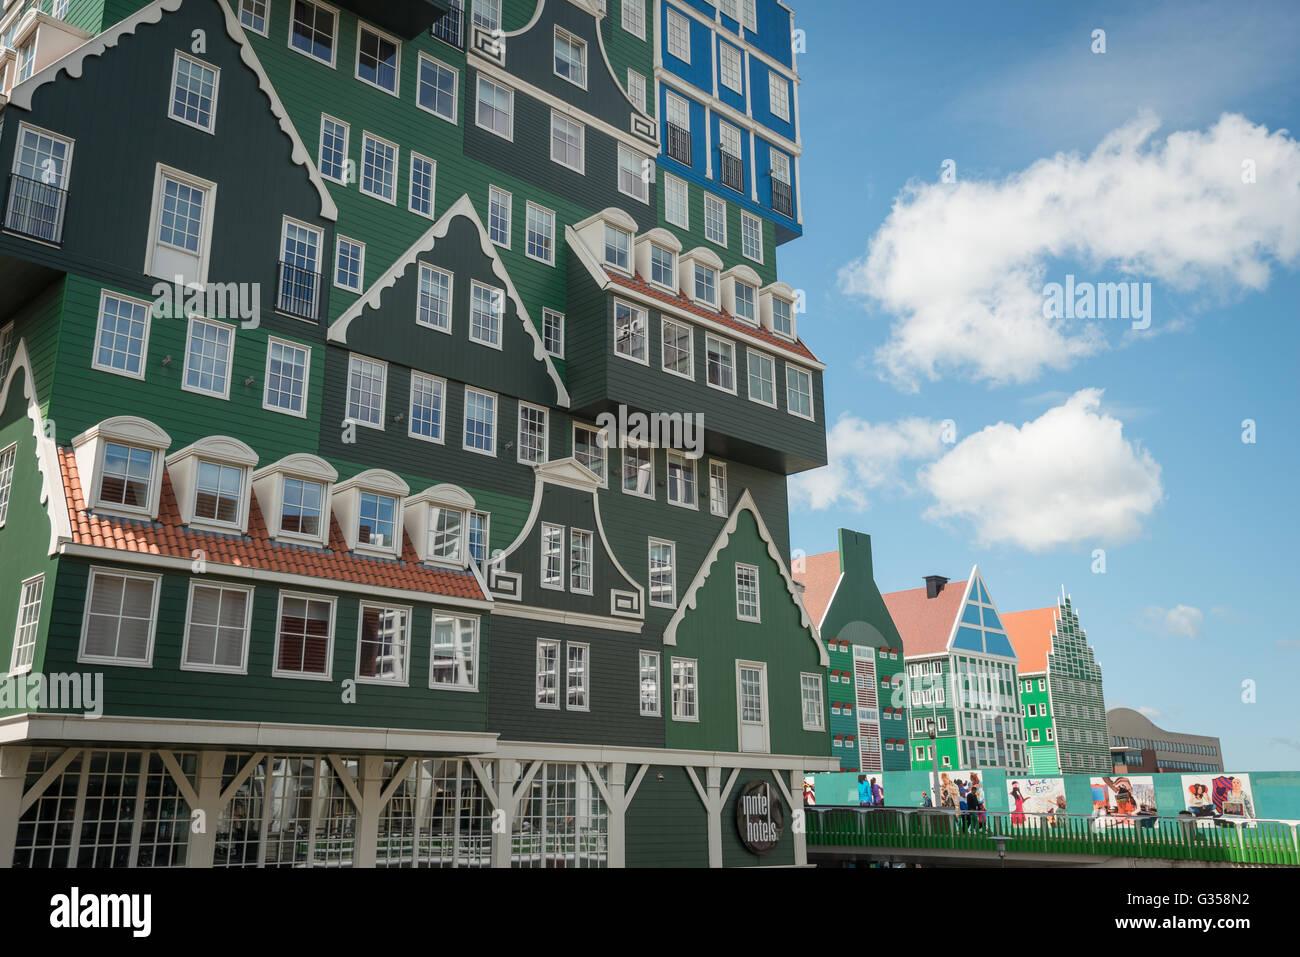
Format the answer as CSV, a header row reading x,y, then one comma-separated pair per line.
x,y
759,817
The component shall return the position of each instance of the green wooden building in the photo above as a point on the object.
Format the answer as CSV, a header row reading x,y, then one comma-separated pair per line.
x,y
866,680
392,472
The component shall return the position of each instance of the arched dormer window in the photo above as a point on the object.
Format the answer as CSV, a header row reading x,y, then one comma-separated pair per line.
x,y
120,462
369,509
699,280
212,479
294,495
740,293
437,520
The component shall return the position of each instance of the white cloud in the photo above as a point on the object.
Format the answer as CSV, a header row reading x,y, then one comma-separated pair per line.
x,y
1181,621
962,266
864,457
1068,477
1149,712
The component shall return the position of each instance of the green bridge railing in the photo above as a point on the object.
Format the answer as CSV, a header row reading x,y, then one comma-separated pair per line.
x,y
1274,843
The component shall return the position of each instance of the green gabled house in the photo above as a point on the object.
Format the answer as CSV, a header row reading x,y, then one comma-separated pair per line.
x,y
385,478
866,680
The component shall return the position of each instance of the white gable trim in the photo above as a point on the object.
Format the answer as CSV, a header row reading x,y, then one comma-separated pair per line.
x,y
338,331
745,504
47,455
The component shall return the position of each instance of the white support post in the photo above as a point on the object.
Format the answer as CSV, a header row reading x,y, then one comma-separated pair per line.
x,y
203,830
365,851
503,820
13,775
795,798
617,802
713,786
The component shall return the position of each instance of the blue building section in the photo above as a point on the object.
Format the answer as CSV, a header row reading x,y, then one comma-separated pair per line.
x,y
735,90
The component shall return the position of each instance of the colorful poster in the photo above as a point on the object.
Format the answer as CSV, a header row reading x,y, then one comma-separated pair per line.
x,y
1030,797
1219,796
954,789
809,790
871,790
1121,801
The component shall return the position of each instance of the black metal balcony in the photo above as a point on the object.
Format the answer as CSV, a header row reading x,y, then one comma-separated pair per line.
x,y
35,209
679,144
733,171
299,293
450,27
782,198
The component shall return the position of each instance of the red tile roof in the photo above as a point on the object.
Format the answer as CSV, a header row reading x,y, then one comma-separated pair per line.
x,y
169,537
819,575
925,623
722,317
1031,635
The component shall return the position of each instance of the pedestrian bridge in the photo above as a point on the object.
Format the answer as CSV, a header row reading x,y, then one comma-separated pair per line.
x,y
839,835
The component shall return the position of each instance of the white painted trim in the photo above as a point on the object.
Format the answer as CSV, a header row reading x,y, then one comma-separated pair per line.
x,y
397,73
216,88
372,297
248,591
328,674
578,619
224,395
53,496
99,329
84,657
691,598
405,680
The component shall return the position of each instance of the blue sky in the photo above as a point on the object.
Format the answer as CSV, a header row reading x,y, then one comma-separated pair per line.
x,y
920,296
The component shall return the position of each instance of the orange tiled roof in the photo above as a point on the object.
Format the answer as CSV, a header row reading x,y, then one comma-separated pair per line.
x,y
818,577
169,537
722,317
1031,635
925,623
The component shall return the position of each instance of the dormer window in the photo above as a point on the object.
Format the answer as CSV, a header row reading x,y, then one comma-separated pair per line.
x,y
663,267
706,285
211,480
369,511
120,463
618,248
747,303
782,317
438,520
294,494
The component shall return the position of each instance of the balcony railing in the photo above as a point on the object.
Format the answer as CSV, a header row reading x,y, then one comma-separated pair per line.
x,y
733,171
679,144
299,293
782,197
448,29
35,209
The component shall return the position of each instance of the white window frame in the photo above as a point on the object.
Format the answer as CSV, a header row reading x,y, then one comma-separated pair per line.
x,y
266,17
734,376
812,409
640,161
757,617
636,26
339,240
104,295
626,268
8,465
664,323
224,393
455,96
497,299
603,446
672,572
397,167
749,219
645,317
83,657
584,691
590,537
221,586
405,679
716,204
804,678
496,416
528,232
679,28
509,134
334,37
451,285
672,260
25,644
581,166
441,437
342,180
509,212
694,715
713,501
433,186
576,41
306,377
279,619
775,80
754,354
558,648
636,83
670,455
728,54
363,27
552,534
216,87
649,452
474,655
648,662
558,317
354,357
671,183
204,253
546,434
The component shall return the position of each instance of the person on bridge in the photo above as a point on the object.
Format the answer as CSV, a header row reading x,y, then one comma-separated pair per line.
x,y
1018,815
925,799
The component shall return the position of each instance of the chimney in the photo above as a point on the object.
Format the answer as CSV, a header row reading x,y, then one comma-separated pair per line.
x,y
933,585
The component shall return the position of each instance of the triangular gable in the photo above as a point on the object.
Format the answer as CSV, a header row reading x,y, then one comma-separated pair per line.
x,y
690,599
73,63
979,627
372,297
47,453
